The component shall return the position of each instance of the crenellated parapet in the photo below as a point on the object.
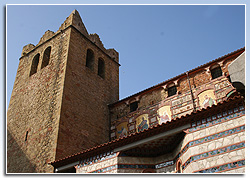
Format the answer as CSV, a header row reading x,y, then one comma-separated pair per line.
x,y
73,20
47,35
95,38
27,48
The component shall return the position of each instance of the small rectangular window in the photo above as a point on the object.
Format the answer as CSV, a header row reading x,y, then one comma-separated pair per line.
x,y
216,72
172,91
133,106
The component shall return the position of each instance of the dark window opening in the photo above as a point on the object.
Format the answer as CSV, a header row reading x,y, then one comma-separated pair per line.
x,y
133,106
101,68
46,57
34,65
69,170
26,136
172,91
90,59
216,72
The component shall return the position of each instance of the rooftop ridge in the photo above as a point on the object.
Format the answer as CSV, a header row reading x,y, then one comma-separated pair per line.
x,y
114,143
178,76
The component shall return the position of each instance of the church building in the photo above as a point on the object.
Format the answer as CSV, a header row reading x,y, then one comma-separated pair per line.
x,y
65,115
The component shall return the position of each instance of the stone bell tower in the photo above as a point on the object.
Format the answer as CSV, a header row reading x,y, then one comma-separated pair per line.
x,y
58,105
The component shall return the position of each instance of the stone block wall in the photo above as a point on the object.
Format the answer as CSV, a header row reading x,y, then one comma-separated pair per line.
x,y
218,146
237,71
34,108
62,108
84,116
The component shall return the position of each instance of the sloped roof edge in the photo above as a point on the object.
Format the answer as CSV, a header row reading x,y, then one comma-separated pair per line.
x,y
178,76
109,146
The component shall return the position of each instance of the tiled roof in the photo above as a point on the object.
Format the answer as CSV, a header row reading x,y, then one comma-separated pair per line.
x,y
154,130
241,50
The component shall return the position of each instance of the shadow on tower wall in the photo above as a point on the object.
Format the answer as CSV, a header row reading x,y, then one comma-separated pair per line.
x,y
17,161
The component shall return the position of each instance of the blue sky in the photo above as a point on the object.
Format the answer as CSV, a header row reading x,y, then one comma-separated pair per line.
x,y
155,42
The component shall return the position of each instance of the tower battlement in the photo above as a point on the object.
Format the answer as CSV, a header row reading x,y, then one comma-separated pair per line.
x,y
59,101
73,20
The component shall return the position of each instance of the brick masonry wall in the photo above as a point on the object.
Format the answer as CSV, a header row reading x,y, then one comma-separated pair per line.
x,y
35,108
197,78
156,106
62,108
84,116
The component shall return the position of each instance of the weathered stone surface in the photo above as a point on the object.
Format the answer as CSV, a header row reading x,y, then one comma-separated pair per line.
x,y
62,108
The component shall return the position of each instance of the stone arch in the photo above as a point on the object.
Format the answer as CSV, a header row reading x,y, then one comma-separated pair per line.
x,y
90,59
46,57
101,68
178,166
34,64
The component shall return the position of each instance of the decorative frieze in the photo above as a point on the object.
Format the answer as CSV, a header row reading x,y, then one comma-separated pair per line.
x,y
172,107
106,169
224,167
97,159
214,152
213,120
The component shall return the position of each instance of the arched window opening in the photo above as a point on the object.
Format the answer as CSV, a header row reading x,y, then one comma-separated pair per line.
x,y
172,90
101,68
90,59
216,72
46,57
34,65
178,167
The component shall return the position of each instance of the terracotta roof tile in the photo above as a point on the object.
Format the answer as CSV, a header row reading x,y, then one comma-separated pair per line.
x,y
178,76
140,135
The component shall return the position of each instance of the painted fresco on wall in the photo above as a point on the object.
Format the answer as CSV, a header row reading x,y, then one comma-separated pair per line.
x,y
164,114
207,98
142,122
122,130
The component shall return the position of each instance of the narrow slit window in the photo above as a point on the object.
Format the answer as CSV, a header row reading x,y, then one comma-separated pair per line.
x,y
46,57
26,136
101,68
34,64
